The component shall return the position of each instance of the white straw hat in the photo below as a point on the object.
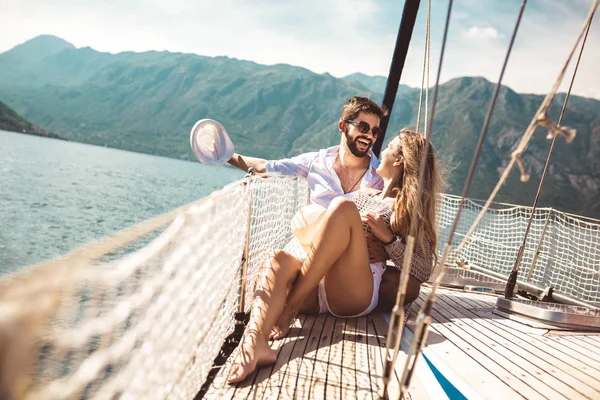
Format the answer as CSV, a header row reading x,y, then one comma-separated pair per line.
x,y
210,142
305,223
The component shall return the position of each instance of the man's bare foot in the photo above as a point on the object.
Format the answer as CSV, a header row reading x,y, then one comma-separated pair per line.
x,y
282,326
255,352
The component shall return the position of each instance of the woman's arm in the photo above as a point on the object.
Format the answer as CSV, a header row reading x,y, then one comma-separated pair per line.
x,y
421,264
422,261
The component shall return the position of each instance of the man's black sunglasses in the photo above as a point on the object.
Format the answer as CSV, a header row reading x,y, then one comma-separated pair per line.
x,y
364,127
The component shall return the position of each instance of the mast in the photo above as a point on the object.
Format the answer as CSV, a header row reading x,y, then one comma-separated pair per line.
x,y
409,15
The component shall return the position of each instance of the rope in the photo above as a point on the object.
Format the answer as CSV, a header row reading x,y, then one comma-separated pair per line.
x,y
483,134
426,60
428,68
397,316
424,319
512,279
540,118
583,218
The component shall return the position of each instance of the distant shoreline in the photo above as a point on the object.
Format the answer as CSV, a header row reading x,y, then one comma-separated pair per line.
x,y
40,133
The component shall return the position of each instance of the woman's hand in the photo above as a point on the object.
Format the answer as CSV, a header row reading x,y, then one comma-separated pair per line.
x,y
377,252
377,225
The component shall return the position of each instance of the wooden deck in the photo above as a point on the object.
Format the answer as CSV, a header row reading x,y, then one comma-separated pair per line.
x,y
482,352
500,356
323,358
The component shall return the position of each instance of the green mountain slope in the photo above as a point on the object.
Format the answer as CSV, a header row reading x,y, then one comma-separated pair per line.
x,y
11,121
375,83
148,102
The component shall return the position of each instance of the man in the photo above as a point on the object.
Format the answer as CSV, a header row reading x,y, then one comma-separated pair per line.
x,y
341,171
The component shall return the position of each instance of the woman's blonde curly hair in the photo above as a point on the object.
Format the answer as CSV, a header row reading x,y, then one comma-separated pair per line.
x,y
412,146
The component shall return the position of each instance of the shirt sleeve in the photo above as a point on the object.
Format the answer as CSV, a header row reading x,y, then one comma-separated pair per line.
x,y
296,166
421,264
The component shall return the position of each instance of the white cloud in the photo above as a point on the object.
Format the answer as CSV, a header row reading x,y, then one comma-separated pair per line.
x,y
487,32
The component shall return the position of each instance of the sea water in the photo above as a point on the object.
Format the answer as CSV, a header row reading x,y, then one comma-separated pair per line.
x,y
56,195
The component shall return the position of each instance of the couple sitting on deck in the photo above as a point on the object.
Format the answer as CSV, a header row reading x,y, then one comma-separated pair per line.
x,y
369,206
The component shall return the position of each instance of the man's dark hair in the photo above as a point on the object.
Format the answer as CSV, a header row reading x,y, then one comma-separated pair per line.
x,y
356,104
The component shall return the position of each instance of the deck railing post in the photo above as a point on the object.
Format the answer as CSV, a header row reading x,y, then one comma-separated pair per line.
x,y
244,264
539,247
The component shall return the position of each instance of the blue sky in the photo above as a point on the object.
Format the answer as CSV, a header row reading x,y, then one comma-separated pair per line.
x,y
335,36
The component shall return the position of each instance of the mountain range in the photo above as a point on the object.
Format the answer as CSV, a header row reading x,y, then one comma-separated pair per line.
x,y
148,102
11,121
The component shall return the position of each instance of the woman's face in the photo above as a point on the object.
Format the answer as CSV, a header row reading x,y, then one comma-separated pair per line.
x,y
391,159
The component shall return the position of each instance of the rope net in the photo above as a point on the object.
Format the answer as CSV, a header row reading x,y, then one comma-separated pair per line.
x,y
146,315
147,323
569,246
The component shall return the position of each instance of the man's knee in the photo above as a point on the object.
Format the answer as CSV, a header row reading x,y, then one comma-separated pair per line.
x,y
388,290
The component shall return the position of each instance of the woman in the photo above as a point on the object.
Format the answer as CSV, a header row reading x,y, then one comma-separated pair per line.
x,y
336,276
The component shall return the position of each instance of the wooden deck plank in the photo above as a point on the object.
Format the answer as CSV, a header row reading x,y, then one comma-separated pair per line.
x,y
349,360
559,341
335,368
590,343
523,324
375,360
322,371
485,375
220,389
499,364
554,352
513,348
589,348
574,378
461,359
594,337
361,354
574,350
334,382
381,328
258,385
416,389
269,379
296,380
323,359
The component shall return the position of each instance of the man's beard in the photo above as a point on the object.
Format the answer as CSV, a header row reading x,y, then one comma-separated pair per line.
x,y
352,146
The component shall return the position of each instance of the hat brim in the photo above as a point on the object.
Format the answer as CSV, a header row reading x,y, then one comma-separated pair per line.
x,y
210,142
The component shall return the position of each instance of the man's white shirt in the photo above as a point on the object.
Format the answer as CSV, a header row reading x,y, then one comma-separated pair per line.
x,y
317,168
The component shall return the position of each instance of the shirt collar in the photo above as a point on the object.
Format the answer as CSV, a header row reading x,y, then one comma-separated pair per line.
x,y
332,152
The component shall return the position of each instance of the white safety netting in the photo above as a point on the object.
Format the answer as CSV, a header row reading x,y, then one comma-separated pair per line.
x,y
148,324
569,246
273,206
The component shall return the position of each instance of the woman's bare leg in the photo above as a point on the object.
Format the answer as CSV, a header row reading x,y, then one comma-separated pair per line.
x,y
268,304
338,253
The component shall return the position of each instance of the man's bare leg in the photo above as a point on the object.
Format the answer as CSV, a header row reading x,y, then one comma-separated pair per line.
x,y
388,290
